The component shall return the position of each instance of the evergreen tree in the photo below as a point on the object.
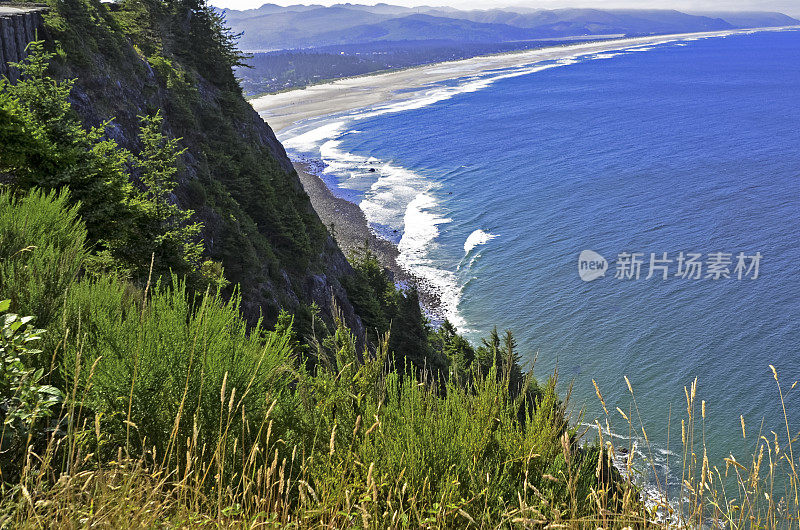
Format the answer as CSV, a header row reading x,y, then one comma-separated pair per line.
x,y
45,145
512,372
502,354
368,291
456,349
488,353
195,23
408,338
165,229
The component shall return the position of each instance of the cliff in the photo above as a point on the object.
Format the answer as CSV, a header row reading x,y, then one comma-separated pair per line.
x,y
137,57
19,25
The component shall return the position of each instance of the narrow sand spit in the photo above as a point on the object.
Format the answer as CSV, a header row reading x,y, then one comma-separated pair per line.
x,y
284,109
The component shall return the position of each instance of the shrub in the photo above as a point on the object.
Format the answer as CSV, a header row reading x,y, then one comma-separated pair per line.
x,y
24,400
169,366
42,249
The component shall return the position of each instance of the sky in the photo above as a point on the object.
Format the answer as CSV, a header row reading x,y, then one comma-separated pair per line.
x,y
790,7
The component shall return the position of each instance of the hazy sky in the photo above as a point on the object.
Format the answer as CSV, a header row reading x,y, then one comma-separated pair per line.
x,y
790,7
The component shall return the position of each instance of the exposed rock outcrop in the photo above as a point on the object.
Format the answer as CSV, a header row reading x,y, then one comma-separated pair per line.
x,y
19,25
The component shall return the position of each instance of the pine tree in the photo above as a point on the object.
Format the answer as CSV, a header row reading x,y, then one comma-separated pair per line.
x,y
196,23
456,349
502,354
167,230
488,353
512,372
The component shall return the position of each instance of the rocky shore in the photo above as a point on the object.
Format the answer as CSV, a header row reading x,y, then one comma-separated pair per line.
x,y
352,232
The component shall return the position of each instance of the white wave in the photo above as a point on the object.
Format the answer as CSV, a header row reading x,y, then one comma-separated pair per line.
x,y
478,237
309,140
421,229
470,84
607,55
401,200
388,199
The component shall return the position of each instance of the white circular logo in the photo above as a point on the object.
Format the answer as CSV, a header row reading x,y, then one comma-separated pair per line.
x,y
591,265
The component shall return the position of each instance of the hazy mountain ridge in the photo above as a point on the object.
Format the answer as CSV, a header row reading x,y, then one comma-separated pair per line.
x,y
272,27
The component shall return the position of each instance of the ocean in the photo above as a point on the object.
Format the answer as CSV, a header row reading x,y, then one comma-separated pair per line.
x,y
682,152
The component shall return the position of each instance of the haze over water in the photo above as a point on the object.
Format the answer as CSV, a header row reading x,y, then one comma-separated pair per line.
x,y
496,184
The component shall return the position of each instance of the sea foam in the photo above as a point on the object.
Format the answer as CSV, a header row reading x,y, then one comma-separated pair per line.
x,y
478,237
399,203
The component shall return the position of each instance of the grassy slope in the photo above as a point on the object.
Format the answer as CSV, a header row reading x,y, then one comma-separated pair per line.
x,y
173,414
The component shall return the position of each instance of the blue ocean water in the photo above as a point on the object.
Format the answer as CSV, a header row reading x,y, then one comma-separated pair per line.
x,y
496,183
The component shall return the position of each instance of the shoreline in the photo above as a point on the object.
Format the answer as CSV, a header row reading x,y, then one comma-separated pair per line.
x,y
285,109
351,230
564,41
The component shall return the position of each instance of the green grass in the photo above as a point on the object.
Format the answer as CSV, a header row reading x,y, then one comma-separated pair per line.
x,y
171,390
42,250
175,413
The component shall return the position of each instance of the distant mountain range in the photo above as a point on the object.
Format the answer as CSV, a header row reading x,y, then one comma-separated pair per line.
x,y
273,27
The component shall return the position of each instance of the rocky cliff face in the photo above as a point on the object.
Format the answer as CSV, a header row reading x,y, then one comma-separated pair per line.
x,y
258,221
18,27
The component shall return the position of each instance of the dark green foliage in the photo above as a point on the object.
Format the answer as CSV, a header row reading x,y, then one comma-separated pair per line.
x,y
456,349
24,399
205,41
161,362
42,250
408,336
85,28
501,353
163,229
384,308
49,148
145,22
372,294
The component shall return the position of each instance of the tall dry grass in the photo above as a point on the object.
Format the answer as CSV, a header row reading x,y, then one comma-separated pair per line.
x,y
716,489
366,447
175,414
382,469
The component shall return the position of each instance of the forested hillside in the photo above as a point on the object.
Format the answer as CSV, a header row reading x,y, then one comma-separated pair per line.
x,y
174,58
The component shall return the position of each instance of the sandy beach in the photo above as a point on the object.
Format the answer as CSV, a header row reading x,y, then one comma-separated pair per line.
x,y
345,219
284,109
